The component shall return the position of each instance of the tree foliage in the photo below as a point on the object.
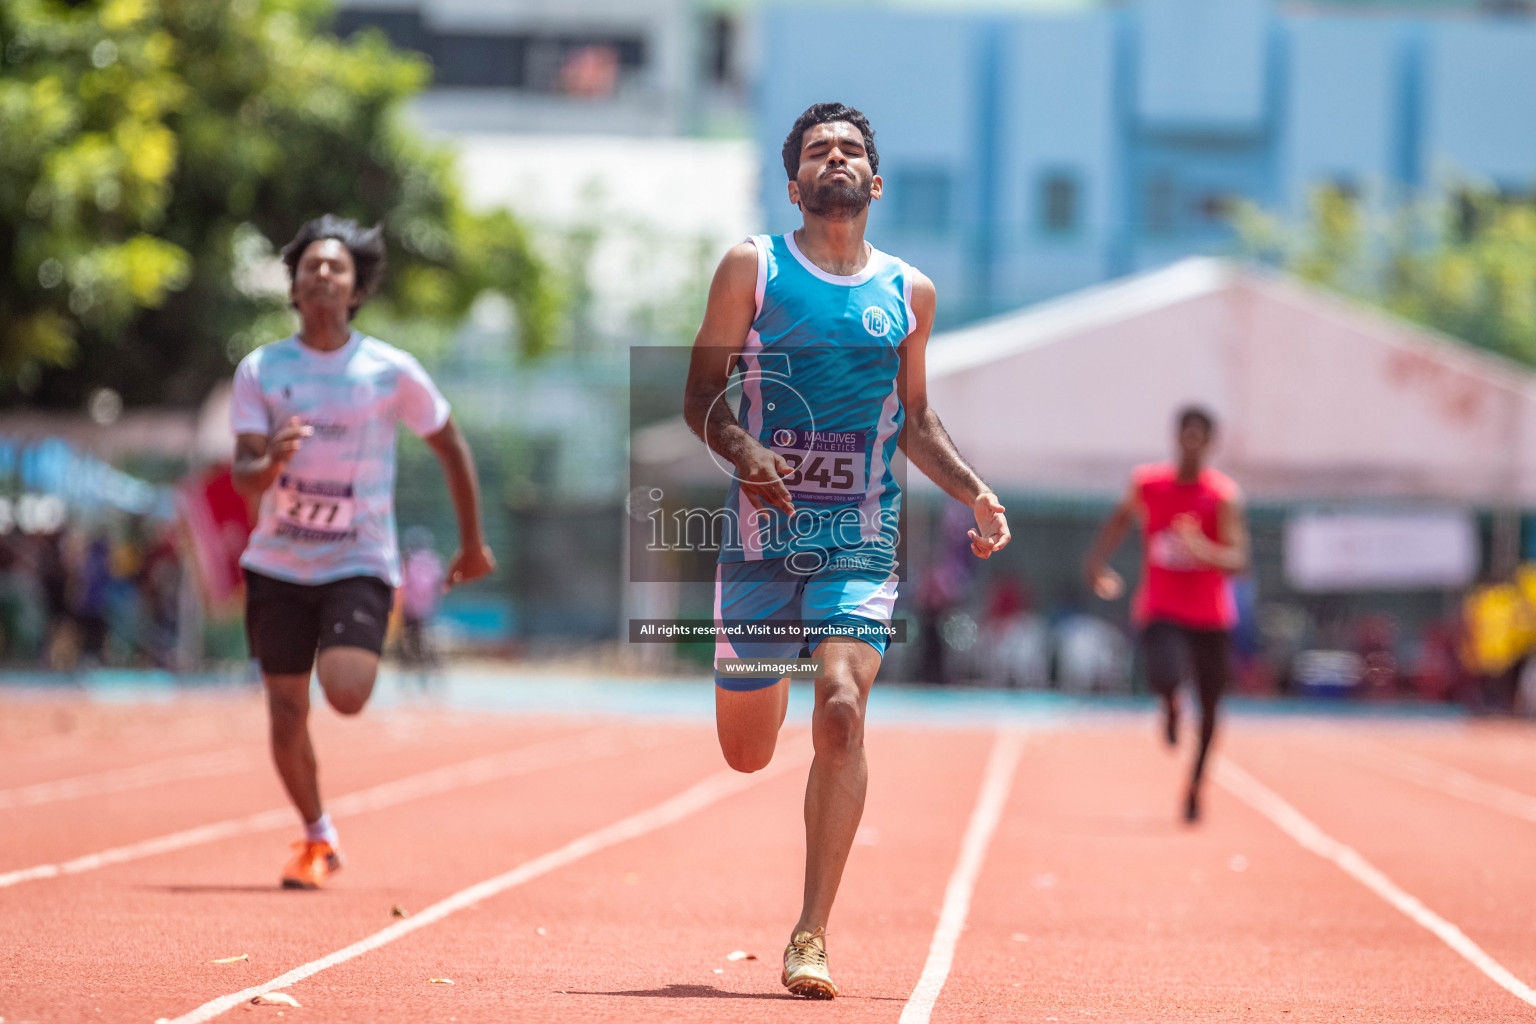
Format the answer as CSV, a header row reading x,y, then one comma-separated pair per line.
x,y
154,153
1464,264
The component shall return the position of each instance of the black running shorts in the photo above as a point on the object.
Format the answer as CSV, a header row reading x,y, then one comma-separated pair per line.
x,y
1175,651
286,623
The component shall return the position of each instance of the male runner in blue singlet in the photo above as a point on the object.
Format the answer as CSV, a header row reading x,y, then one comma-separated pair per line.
x,y
827,335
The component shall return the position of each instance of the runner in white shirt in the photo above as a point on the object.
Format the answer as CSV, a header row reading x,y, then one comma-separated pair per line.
x,y
315,418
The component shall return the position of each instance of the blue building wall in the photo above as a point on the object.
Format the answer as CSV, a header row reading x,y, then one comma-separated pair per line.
x,y
1027,155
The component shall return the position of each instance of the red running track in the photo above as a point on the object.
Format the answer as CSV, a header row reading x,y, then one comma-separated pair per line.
x,y
1089,901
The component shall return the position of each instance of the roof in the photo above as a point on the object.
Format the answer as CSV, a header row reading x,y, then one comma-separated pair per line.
x,y
1317,396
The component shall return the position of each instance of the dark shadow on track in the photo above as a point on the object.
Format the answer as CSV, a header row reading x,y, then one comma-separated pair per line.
x,y
691,992
193,890
710,992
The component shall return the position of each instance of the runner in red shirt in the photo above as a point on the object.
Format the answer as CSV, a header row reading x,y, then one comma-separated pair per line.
x,y
1193,538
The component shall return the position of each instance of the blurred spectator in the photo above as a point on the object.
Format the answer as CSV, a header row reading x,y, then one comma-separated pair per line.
x,y
1250,672
159,606
23,605
1091,655
76,599
590,72
421,589
1375,638
1282,635
941,589
1015,644
1500,627
1437,672
86,562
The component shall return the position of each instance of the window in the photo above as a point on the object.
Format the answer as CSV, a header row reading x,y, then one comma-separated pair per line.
x,y
921,196
577,63
720,42
1058,202
1159,215
1216,207
1344,187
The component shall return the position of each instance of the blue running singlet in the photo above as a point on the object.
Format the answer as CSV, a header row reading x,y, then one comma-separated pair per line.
x,y
818,378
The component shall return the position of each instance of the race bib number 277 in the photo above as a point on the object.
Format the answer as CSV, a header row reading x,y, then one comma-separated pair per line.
x,y
825,466
313,506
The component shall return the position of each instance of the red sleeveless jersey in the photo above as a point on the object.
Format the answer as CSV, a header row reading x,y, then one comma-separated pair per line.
x,y
1175,587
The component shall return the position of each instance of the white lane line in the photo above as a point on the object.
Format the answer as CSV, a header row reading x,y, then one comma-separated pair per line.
x,y
996,781
1454,782
553,753
174,769
1296,825
708,791
121,780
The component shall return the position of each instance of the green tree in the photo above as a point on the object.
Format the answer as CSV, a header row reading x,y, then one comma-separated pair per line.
x,y
153,151
1464,265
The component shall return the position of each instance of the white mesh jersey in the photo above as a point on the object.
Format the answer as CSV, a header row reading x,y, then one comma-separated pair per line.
x,y
331,513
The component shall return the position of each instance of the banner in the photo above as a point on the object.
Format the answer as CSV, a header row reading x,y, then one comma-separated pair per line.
x,y
1385,551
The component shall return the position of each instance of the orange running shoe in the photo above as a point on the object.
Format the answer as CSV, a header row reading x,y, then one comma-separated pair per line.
x,y
311,865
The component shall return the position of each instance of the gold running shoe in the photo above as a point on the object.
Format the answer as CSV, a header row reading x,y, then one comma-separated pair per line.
x,y
805,966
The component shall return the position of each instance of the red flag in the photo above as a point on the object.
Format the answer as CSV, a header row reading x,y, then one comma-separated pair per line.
x,y
218,523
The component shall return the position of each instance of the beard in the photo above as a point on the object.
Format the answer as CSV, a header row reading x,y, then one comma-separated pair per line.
x,y
836,201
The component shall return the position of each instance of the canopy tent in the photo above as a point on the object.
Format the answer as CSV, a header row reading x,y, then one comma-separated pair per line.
x,y
200,435
1317,398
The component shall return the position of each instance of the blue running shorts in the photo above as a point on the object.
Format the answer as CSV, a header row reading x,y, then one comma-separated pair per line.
x,y
830,602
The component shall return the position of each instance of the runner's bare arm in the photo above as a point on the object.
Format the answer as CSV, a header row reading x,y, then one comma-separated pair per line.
x,y
473,559
727,320
1230,553
1102,580
926,442
259,459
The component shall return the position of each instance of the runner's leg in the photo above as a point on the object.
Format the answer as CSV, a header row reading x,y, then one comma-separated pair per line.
x,y
282,628
1163,645
749,712
1210,655
347,675
834,794
292,751
354,614
748,721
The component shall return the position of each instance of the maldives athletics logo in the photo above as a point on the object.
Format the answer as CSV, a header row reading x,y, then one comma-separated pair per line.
x,y
877,321
784,438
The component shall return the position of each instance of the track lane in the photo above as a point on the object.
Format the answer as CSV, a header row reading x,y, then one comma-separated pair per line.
x,y
145,932
1469,863
46,739
645,920
636,933
717,786
350,759
47,736
1097,904
1497,746
1299,827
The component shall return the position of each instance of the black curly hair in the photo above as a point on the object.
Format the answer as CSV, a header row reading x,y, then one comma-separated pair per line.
x,y
1199,415
825,113
365,244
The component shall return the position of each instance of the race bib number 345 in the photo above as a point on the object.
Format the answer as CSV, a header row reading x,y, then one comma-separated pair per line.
x,y
314,507
825,466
